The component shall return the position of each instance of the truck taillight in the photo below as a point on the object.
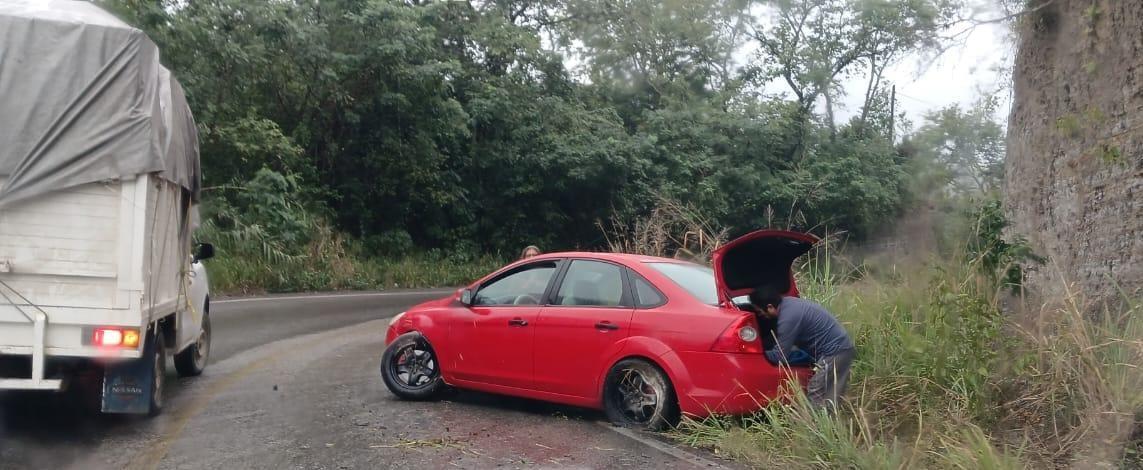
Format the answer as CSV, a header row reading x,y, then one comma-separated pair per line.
x,y
740,337
115,337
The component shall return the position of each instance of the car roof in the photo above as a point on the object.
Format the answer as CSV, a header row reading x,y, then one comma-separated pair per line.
x,y
626,258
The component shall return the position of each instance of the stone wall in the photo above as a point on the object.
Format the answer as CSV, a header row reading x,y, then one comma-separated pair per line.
x,y
1074,179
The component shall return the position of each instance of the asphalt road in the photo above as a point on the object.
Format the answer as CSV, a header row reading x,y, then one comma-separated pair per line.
x,y
293,383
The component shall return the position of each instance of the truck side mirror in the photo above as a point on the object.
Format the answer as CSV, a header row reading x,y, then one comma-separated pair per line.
x,y
203,251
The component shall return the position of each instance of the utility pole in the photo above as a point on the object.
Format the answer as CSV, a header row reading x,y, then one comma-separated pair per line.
x,y
893,114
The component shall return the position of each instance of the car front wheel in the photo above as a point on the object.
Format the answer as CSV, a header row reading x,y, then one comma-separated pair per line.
x,y
637,394
410,368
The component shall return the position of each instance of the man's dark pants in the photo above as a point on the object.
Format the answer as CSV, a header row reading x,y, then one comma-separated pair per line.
x,y
829,382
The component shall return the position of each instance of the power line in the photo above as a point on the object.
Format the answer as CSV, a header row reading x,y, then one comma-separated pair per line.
x,y
930,103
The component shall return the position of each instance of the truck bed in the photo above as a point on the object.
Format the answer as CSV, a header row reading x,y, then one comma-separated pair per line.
x,y
101,254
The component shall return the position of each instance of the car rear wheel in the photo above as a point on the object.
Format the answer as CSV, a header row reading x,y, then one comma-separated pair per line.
x,y
637,394
410,368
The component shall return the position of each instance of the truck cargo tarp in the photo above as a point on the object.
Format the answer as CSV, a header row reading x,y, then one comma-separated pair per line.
x,y
84,99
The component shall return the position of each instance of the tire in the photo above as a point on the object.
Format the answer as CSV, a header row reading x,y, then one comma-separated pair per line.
x,y
419,380
158,359
637,394
192,361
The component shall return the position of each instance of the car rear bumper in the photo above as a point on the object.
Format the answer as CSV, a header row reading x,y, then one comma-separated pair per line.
x,y
732,384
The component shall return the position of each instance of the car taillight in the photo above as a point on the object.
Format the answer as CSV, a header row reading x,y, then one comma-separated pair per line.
x,y
740,337
116,337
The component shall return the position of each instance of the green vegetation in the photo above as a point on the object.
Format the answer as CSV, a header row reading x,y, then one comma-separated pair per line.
x,y
1001,261
945,378
959,149
271,243
952,371
251,275
458,126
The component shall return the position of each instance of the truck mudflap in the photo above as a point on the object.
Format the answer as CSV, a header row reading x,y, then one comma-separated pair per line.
x,y
127,384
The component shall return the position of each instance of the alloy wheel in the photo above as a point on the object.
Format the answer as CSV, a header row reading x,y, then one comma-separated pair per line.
x,y
415,366
638,397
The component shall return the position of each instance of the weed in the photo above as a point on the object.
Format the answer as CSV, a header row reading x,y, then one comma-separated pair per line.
x,y
944,379
673,229
247,262
1068,125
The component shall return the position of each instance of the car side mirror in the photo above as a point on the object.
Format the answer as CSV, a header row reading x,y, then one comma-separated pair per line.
x,y
466,297
203,251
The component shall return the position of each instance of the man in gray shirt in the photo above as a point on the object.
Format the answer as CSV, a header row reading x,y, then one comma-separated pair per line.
x,y
812,329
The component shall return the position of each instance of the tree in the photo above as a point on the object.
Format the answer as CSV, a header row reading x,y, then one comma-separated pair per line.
x,y
810,45
647,52
967,147
457,125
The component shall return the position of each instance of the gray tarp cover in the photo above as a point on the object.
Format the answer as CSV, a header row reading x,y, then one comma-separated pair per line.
x,y
84,99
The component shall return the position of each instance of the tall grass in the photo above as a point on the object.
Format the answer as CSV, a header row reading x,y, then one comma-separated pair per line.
x,y
243,274
672,229
247,262
944,379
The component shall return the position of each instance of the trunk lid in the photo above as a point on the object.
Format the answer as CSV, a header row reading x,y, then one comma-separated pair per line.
x,y
759,257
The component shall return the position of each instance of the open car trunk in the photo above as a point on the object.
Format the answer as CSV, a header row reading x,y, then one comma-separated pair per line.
x,y
757,258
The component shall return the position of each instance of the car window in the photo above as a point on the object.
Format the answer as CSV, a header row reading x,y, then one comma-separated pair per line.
x,y
525,286
695,279
591,283
647,295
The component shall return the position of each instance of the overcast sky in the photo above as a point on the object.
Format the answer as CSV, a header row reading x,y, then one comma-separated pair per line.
x,y
925,83
956,76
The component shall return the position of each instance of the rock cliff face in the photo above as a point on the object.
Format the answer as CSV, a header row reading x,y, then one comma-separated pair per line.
x,y
1074,179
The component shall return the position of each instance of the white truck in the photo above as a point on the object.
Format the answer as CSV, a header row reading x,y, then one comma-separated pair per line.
x,y
99,189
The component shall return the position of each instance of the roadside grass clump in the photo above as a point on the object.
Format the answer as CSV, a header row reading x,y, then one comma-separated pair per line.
x,y
238,274
268,239
793,434
672,230
945,378
1078,390
248,262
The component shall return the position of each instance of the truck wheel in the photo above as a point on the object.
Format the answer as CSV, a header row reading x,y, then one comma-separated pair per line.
x,y
192,361
159,372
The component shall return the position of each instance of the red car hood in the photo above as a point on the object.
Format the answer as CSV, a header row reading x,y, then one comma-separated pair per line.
x,y
759,257
441,302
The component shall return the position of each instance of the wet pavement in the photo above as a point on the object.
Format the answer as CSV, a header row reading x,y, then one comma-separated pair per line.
x,y
295,384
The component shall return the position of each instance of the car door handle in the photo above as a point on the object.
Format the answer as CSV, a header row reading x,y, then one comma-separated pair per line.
x,y
606,325
517,322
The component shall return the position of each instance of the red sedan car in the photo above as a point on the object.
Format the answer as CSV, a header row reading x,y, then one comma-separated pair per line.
x,y
641,337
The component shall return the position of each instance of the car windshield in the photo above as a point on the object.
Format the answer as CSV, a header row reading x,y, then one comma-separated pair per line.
x,y
698,280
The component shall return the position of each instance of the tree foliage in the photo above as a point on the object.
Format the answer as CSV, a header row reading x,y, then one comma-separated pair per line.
x,y
812,45
964,149
460,125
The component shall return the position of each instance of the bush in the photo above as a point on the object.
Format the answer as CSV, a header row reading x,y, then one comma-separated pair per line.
x,y
332,263
943,379
1001,259
267,241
